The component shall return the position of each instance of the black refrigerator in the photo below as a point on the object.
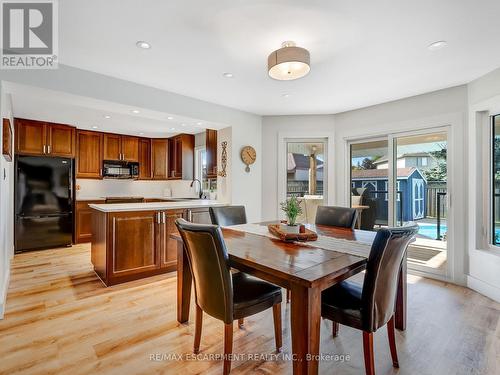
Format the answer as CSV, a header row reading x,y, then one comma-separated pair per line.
x,y
43,202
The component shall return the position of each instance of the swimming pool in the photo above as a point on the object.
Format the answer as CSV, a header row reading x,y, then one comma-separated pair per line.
x,y
430,230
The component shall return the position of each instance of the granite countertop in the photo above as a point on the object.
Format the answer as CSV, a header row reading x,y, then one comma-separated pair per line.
x,y
155,206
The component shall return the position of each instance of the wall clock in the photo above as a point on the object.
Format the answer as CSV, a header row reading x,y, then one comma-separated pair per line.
x,y
248,156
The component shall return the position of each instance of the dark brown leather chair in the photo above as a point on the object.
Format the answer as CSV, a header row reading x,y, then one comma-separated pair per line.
x,y
333,216
219,293
371,305
228,215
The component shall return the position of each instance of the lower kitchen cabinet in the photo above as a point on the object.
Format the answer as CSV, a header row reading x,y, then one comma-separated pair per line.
x,y
83,221
133,244
169,246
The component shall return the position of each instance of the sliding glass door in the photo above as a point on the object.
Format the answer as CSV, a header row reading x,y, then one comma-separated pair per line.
x,y
403,178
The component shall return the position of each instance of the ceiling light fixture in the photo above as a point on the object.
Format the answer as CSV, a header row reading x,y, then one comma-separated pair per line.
x,y
289,62
170,118
94,127
143,45
136,111
199,123
183,124
141,133
228,75
437,45
172,128
286,95
107,116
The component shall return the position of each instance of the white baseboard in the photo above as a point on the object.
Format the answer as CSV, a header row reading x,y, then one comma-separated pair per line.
x,y
484,288
3,292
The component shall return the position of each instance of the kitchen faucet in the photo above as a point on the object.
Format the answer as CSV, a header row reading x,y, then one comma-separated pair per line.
x,y
201,190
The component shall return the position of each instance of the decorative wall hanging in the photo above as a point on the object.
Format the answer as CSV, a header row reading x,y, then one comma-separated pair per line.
x,y
222,173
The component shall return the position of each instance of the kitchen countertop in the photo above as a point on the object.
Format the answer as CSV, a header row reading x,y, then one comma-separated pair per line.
x,y
155,206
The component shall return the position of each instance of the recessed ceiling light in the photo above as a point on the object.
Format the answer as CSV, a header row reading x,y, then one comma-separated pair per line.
x,y
141,133
183,124
94,127
136,111
143,44
170,118
437,45
107,116
199,123
228,75
172,128
286,95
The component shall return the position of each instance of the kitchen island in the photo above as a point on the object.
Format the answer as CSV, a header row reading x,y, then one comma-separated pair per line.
x,y
132,240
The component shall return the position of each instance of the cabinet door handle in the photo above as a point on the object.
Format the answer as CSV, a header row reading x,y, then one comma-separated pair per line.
x,y
48,149
158,218
44,148
163,217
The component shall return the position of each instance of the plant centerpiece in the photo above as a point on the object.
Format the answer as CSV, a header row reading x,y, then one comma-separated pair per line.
x,y
292,209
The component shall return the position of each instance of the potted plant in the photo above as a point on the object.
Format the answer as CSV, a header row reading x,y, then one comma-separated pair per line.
x,y
292,209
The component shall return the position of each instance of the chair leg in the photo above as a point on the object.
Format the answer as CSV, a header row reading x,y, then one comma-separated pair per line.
x,y
335,329
368,351
392,342
197,329
228,347
288,293
277,326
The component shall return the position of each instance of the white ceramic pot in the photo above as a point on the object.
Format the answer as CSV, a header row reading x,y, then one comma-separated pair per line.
x,y
290,228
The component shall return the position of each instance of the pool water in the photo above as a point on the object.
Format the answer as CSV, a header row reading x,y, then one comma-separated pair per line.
x,y
430,230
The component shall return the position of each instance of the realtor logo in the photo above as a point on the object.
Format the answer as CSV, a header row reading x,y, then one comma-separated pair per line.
x,y
29,34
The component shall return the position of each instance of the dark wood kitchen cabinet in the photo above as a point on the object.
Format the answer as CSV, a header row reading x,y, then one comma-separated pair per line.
x,y
211,152
89,154
181,157
145,170
159,159
168,249
121,147
38,138
83,220
134,244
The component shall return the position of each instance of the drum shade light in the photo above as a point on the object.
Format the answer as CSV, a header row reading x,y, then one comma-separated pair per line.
x,y
289,62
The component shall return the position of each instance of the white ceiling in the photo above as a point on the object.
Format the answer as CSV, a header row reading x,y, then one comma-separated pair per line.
x,y
88,113
362,52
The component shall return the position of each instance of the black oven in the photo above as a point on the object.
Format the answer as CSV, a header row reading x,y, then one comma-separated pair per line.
x,y
120,169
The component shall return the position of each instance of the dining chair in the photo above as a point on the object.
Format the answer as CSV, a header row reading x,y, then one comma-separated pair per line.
x,y
344,217
218,292
370,305
228,215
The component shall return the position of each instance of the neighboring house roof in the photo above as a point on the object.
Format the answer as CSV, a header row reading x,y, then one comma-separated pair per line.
x,y
408,155
382,174
299,161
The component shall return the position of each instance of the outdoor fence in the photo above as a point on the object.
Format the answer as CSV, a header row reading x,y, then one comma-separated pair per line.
x,y
431,199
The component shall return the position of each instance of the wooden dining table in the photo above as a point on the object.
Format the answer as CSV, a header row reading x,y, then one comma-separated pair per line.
x,y
305,270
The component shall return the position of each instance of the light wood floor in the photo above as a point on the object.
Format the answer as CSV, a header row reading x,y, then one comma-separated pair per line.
x,y
61,320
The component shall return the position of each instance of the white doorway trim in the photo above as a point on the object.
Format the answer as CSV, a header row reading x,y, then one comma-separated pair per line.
x,y
306,136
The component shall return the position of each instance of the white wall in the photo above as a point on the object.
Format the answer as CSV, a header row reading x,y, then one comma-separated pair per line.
x,y
483,259
6,209
310,126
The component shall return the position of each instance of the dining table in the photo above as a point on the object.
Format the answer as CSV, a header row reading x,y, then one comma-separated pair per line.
x,y
306,269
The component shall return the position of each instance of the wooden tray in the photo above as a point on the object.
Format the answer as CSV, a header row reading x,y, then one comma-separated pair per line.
x,y
308,235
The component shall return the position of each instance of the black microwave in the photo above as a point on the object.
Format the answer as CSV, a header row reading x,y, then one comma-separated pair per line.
x,y
120,169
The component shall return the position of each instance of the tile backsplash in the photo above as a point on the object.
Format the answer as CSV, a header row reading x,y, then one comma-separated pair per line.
x,y
148,189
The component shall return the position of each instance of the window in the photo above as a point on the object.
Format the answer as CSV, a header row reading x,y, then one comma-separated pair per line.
x,y
424,162
495,179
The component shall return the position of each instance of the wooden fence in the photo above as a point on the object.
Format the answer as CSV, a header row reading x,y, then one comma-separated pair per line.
x,y
431,199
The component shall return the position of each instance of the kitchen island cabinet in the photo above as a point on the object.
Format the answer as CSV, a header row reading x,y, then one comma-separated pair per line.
x,y
133,241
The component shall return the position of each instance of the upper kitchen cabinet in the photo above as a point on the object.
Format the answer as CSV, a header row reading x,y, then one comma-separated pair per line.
x,y
44,139
181,157
121,147
159,159
89,154
61,140
145,170
211,153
